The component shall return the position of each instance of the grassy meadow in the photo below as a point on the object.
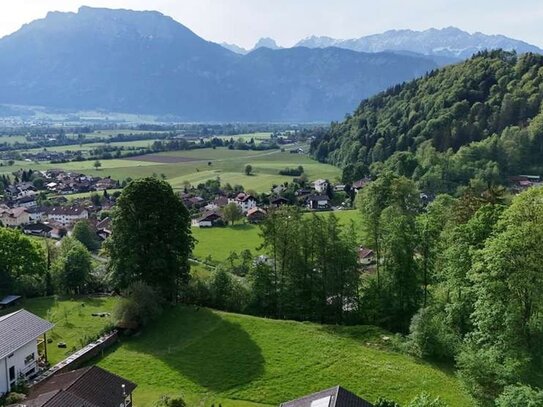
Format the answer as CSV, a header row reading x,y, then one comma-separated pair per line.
x,y
197,166
216,357
74,324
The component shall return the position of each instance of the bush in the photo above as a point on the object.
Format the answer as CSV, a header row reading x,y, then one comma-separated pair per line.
x,y
13,398
140,305
430,337
520,396
292,172
167,401
381,402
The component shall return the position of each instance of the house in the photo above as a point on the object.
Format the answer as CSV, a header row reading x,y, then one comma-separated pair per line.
x,y
36,213
277,190
320,186
208,219
22,342
217,203
522,182
340,188
37,229
256,215
278,201
244,201
103,228
365,256
86,387
360,184
318,202
14,217
105,184
26,201
67,215
334,397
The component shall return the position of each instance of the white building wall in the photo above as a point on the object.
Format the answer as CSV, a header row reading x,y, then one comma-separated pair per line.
x,y
18,360
3,377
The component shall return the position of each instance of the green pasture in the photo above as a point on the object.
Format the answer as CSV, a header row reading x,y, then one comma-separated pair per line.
x,y
209,357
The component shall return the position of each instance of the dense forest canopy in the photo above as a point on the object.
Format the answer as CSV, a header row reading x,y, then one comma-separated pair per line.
x,y
481,119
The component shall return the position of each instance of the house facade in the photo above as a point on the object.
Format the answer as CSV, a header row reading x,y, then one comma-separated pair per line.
x,y
67,215
14,217
207,220
245,202
320,185
20,334
318,202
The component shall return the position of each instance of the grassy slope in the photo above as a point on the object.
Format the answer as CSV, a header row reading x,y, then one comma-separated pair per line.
x,y
220,242
226,164
73,321
211,357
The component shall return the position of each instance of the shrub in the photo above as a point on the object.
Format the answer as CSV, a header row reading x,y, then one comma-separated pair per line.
x,y
381,402
13,398
140,305
520,396
430,337
167,401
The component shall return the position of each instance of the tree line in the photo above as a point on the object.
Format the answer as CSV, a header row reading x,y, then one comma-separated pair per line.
x,y
477,122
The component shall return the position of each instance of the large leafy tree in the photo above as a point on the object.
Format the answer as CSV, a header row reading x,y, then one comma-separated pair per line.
x,y
72,267
22,262
151,239
83,232
505,345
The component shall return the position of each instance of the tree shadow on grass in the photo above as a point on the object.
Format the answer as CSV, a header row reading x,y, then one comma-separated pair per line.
x,y
203,346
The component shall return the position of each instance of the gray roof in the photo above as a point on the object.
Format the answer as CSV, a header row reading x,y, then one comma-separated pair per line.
x,y
333,397
86,387
19,328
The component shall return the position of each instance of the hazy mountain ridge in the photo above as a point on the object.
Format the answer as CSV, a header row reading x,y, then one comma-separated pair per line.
x,y
447,42
145,62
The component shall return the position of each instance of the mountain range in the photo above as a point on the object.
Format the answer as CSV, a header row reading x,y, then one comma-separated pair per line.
x,y
147,63
448,42
444,46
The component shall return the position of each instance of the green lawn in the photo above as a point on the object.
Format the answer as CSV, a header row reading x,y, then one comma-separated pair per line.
x,y
220,242
215,357
73,321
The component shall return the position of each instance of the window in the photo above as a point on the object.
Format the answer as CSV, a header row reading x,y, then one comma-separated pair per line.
x,y
30,358
12,374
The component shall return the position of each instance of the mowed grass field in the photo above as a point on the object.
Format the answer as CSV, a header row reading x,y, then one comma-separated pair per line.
x,y
215,357
74,323
218,243
196,166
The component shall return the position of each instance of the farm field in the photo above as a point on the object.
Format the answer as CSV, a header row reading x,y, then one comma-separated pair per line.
x,y
12,139
218,243
210,357
74,324
197,166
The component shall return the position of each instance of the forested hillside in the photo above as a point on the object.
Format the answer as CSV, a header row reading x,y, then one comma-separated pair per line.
x,y
480,120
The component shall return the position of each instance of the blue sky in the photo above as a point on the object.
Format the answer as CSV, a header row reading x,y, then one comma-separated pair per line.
x,y
287,21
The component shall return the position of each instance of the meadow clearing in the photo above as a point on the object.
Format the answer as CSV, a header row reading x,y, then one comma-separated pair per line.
x,y
216,357
216,244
